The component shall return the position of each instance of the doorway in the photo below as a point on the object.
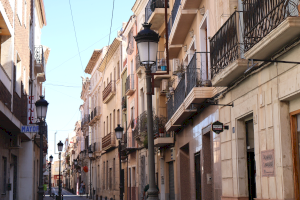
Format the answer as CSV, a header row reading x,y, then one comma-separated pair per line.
x,y
251,167
197,176
171,181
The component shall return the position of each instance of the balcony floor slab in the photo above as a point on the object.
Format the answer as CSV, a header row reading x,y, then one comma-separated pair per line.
x,y
157,18
198,95
230,73
163,141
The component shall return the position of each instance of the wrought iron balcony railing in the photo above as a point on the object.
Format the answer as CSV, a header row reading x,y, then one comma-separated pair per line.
x,y
225,45
108,141
161,64
159,125
124,103
143,121
129,84
111,87
170,107
150,7
39,55
261,17
173,15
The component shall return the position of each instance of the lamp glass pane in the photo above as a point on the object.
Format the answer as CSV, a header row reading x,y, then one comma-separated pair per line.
x,y
148,52
60,147
39,111
90,154
119,135
44,111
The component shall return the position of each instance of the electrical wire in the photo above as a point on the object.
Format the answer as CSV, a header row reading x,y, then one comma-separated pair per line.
x,y
74,86
76,37
111,20
83,50
62,93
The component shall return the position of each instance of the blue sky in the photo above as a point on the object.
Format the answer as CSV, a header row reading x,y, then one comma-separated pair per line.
x,y
92,20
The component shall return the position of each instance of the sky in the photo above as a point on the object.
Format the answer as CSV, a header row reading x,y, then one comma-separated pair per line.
x,y
92,20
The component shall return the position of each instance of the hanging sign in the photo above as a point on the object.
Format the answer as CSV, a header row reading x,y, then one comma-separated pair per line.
x,y
217,127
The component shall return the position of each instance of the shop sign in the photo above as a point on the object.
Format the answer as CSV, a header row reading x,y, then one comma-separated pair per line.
x,y
217,127
29,129
267,161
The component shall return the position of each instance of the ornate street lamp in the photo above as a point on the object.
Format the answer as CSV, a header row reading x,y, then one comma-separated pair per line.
x,y
119,133
60,148
51,159
90,156
41,110
147,43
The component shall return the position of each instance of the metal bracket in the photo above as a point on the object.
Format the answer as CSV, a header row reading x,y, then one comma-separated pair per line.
x,y
274,61
214,104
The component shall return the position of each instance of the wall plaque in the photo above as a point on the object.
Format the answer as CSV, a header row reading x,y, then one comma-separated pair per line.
x,y
267,162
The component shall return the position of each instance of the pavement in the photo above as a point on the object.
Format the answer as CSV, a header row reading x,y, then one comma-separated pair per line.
x,y
66,195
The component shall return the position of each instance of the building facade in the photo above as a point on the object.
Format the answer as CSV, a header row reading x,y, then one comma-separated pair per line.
x,y
22,73
227,61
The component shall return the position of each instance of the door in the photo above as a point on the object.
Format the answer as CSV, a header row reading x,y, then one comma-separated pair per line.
x,y
197,176
251,168
171,181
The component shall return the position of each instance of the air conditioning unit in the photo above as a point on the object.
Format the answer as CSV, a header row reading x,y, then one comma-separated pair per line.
x,y
164,86
173,153
15,142
176,65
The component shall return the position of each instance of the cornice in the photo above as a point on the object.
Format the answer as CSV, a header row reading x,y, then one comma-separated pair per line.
x,y
138,6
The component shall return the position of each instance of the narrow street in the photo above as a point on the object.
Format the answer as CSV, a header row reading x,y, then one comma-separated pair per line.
x,y
66,195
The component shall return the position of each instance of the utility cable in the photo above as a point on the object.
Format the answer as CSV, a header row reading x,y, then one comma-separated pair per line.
x,y
111,20
76,37
74,86
82,51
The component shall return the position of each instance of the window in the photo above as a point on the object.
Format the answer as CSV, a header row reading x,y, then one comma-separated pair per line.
x,y
114,174
118,116
131,67
56,169
4,159
103,186
110,178
106,174
118,70
18,76
19,10
114,119
107,124
104,128
115,73
110,123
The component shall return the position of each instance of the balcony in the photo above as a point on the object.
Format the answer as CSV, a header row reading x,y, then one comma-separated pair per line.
x,y
95,115
161,137
5,84
226,52
109,142
160,67
155,13
39,59
269,26
109,92
124,107
129,85
140,129
181,20
193,88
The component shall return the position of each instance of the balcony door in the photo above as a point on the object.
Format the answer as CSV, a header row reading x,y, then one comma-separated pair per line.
x,y
204,56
